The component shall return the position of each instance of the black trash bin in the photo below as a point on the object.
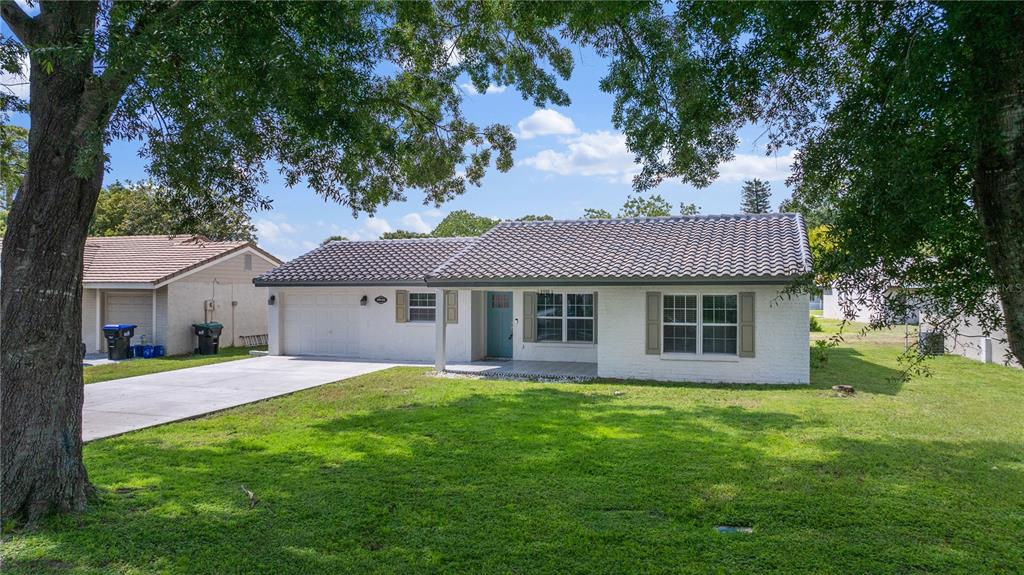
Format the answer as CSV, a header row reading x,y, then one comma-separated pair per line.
x,y
209,337
119,339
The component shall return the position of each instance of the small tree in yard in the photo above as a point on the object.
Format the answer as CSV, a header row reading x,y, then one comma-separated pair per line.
x,y
757,195
356,99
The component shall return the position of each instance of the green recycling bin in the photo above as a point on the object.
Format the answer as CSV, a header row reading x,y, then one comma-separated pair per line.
x,y
209,337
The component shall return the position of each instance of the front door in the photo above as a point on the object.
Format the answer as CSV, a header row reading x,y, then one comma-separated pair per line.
x,y
499,324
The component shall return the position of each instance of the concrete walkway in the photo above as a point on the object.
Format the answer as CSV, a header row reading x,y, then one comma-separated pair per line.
x,y
121,405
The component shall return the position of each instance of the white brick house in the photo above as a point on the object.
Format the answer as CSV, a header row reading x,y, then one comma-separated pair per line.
x,y
676,299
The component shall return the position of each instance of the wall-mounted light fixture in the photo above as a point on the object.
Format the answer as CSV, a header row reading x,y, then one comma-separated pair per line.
x,y
271,300
363,300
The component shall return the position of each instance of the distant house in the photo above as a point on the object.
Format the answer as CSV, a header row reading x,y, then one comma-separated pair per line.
x,y
680,298
968,339
163,284
832,307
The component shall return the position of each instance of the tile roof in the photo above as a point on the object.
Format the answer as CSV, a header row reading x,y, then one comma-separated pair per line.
x,y
685,247
366,262
151,259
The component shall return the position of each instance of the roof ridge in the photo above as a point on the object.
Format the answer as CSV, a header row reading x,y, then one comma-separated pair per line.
x,y
405,240
510,223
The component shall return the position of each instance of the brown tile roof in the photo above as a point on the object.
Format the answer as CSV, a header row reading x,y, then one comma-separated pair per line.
x,y
367,262
638,249
151,259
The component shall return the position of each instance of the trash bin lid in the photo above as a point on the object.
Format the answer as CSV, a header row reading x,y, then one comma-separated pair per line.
x,y
209,325
113,326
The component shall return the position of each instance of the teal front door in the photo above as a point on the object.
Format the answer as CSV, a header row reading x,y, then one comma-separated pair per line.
x,y
499,324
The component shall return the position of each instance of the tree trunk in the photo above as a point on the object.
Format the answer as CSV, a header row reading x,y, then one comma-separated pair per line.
x,y
41,387
996,42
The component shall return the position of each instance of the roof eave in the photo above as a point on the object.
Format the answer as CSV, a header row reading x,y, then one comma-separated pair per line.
x,y
639,281
334,283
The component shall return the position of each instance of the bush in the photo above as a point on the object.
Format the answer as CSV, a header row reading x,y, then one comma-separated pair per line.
x,y
815,326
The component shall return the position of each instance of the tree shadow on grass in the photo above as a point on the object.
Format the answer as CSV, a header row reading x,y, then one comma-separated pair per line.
x,y
537,480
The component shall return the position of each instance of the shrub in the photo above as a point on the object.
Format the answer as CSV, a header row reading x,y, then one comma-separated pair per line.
x,y
815,326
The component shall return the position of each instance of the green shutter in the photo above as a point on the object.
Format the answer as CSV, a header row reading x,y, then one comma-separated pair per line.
x,y
653,323
529,316
595,317
401,306
451,306
746,343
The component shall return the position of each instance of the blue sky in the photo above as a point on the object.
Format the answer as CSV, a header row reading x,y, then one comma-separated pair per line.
x,y
568,158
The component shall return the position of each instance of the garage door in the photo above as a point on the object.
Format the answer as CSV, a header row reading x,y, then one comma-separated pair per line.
x,y
321,323
136,308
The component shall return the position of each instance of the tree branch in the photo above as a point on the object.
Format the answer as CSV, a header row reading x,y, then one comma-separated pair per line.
x,y
104,92
25,27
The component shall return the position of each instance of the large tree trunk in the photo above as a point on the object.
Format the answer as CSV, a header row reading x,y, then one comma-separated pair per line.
x,y
41,387
996,41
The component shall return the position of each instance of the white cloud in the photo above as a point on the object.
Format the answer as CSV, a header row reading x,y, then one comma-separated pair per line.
x,y
749,166
545,123
605,154
470,89
273,232
377,226
413,222
16,84
602,154
454,56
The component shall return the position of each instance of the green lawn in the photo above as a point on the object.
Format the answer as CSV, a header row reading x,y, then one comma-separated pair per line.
x,y
854,332
133,367
399,472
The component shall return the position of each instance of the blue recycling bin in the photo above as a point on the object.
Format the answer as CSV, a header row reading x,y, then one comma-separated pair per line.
x,y
119,339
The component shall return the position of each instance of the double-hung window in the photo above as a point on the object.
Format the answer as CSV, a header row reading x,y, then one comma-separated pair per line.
x,y
579,317
711,329
719,324
680,324
565,317
422,306
550,315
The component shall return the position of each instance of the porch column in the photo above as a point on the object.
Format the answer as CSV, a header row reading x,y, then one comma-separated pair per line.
x,y
99,320
154,319
439,331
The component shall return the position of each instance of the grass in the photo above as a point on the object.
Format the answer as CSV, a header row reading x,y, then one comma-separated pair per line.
x,y
133,367
854,332
400,472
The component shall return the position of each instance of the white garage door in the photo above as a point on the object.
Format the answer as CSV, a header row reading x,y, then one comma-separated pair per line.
x,y
321,323
136,308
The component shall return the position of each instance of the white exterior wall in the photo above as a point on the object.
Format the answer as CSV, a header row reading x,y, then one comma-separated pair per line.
x,y
380,336
831,309
972,344
90,321
782,339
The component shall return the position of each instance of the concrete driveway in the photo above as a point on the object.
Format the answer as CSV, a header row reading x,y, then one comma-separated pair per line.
x,y
115,407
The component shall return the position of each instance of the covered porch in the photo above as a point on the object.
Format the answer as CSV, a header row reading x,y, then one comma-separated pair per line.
x,y
513,369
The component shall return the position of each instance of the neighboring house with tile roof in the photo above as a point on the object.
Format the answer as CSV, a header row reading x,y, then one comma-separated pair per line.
x,y
164,284
693,298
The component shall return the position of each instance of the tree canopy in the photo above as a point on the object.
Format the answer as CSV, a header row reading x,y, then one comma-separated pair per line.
x,y
757,195
906,117
637,206
13,161
132,209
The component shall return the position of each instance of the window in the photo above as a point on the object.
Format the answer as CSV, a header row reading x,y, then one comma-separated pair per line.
x,y
500,300
716,321
573,321
679,324
580,317
719,324
422,306
549,317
